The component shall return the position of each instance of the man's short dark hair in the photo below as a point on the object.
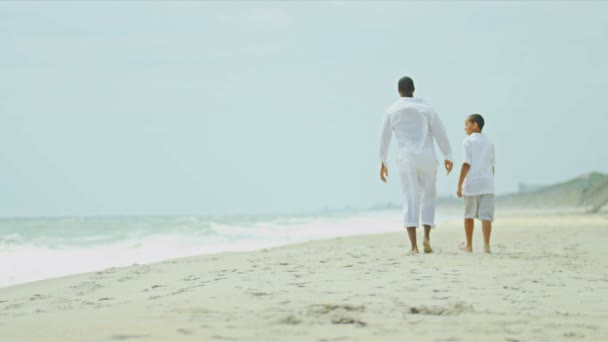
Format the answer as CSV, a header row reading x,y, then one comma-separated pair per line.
x,y
477,118
406,85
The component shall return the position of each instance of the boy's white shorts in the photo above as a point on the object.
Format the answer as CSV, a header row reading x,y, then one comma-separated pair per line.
x,y
479,206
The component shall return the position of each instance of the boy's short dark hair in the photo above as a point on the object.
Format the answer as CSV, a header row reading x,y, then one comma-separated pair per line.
x,y
406,85
477,118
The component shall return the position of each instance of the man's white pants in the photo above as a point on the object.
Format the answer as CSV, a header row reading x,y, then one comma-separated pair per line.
x,y
419,194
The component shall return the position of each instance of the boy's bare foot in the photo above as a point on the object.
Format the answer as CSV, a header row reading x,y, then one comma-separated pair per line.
x,y
427,246
463,247
486,249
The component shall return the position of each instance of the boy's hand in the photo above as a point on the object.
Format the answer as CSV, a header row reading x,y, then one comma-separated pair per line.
x,y
448,165
459,192
383,172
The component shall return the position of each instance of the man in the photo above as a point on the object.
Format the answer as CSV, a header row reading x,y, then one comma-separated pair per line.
x,y
415,124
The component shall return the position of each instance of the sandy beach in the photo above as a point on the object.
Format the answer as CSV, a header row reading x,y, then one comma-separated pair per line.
x,y
546,281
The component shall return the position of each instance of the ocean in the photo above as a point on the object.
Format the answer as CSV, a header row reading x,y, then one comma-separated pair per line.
x,y
40,248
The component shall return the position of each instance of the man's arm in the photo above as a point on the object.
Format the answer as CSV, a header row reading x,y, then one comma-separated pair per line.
x,y
385,142
441,137
463,174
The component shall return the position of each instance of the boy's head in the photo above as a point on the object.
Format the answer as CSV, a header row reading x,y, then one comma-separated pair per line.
x,y
473,124
406,87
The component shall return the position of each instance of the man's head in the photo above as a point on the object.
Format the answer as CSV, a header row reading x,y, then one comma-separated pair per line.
x,y
473,124
406,87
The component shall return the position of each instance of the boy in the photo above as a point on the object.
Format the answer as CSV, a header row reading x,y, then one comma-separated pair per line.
x,y
476,182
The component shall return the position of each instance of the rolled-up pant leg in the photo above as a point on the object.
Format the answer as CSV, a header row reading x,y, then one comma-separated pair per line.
x,y
428,181
411,191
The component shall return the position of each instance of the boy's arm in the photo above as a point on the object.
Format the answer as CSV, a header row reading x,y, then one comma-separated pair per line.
x,y
385,142
493,160
466,166
463,174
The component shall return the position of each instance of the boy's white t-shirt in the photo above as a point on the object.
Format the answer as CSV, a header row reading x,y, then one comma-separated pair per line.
x,y
479,153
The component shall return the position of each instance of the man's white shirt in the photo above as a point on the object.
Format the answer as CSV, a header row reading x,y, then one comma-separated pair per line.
x,y
479,153
415,124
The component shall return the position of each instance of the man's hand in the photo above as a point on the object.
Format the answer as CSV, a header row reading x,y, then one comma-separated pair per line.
x,y
448,165
459,192
383,172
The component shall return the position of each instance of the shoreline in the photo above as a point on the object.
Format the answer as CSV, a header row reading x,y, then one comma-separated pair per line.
x,y
382,215
166,244
156,248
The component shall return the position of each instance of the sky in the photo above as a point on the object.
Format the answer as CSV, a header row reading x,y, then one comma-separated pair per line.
x,y
220,108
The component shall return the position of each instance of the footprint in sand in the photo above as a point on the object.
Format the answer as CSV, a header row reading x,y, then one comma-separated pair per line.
x,y
86,287
38,296
219,337
122,337
13,306
184,331
290,320
339,314
452,310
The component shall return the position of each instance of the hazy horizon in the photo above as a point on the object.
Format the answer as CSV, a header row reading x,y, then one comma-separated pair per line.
x,y
209,108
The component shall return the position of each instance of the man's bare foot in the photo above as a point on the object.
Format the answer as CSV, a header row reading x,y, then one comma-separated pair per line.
x,y
427,246
463,247
413,251
486,249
